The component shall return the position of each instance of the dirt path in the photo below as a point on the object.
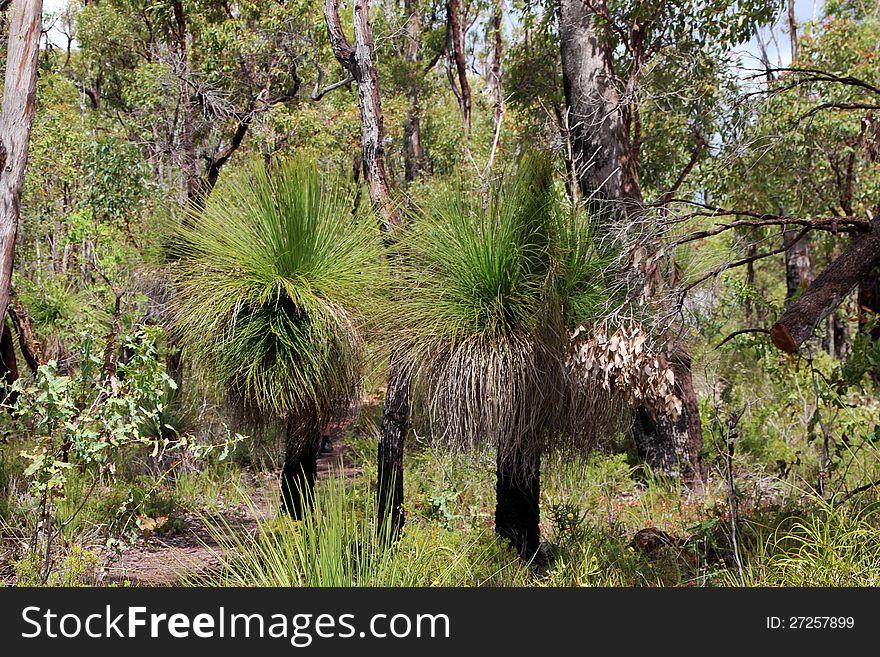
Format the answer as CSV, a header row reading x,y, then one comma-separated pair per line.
x,y
163,561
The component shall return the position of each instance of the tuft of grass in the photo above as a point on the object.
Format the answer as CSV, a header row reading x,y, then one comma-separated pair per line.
x,y
834,546
339,545
274,282
491,294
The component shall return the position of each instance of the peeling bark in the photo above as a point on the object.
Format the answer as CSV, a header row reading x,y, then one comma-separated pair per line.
x,y
599,132
358,61
605,158
19,104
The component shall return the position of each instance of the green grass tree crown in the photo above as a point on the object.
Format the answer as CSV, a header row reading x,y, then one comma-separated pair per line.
x,y
276,279
490,295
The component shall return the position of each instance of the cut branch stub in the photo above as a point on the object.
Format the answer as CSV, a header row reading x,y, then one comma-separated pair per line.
x,y
828,290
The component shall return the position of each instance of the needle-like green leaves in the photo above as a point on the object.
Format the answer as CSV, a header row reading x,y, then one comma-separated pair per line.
x,y
275,279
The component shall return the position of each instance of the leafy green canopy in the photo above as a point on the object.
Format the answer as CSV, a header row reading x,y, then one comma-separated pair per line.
x,y
275,279
489,297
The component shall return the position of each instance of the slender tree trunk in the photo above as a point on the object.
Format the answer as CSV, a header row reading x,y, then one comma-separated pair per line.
x,y
395,423
413,152
19,104
605,162
302,446
457,31
517,501
358,60
8,363
836,339
792,31
869,309
188,160
750,283
798,263
495,74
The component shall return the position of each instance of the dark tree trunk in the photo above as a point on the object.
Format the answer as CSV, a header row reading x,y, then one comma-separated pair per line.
x,y
751,251
395,423
8,363
517,502
605,160
413,152
828,290
302,446
792,31
188,159
598,127
672,446
31,350
869,309
798,263
869,303
494,80
457,31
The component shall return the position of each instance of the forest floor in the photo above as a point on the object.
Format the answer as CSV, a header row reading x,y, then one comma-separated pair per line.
x,y
165,560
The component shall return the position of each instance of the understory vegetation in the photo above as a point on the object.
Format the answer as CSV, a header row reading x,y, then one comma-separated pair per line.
x,y
606,520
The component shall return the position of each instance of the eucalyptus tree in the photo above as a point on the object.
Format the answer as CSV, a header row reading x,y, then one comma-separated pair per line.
x,y
612,56
16,120
190,82
489,296
275,282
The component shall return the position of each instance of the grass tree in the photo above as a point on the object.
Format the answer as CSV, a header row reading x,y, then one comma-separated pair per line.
x,y
275,279
491,296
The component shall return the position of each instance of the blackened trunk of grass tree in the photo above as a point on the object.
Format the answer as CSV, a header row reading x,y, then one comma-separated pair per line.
x,y
357,59
605,158
302,446
395,423
517,501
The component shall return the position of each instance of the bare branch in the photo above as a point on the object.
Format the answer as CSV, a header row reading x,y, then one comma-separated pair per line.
x,y
743,261
318,95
